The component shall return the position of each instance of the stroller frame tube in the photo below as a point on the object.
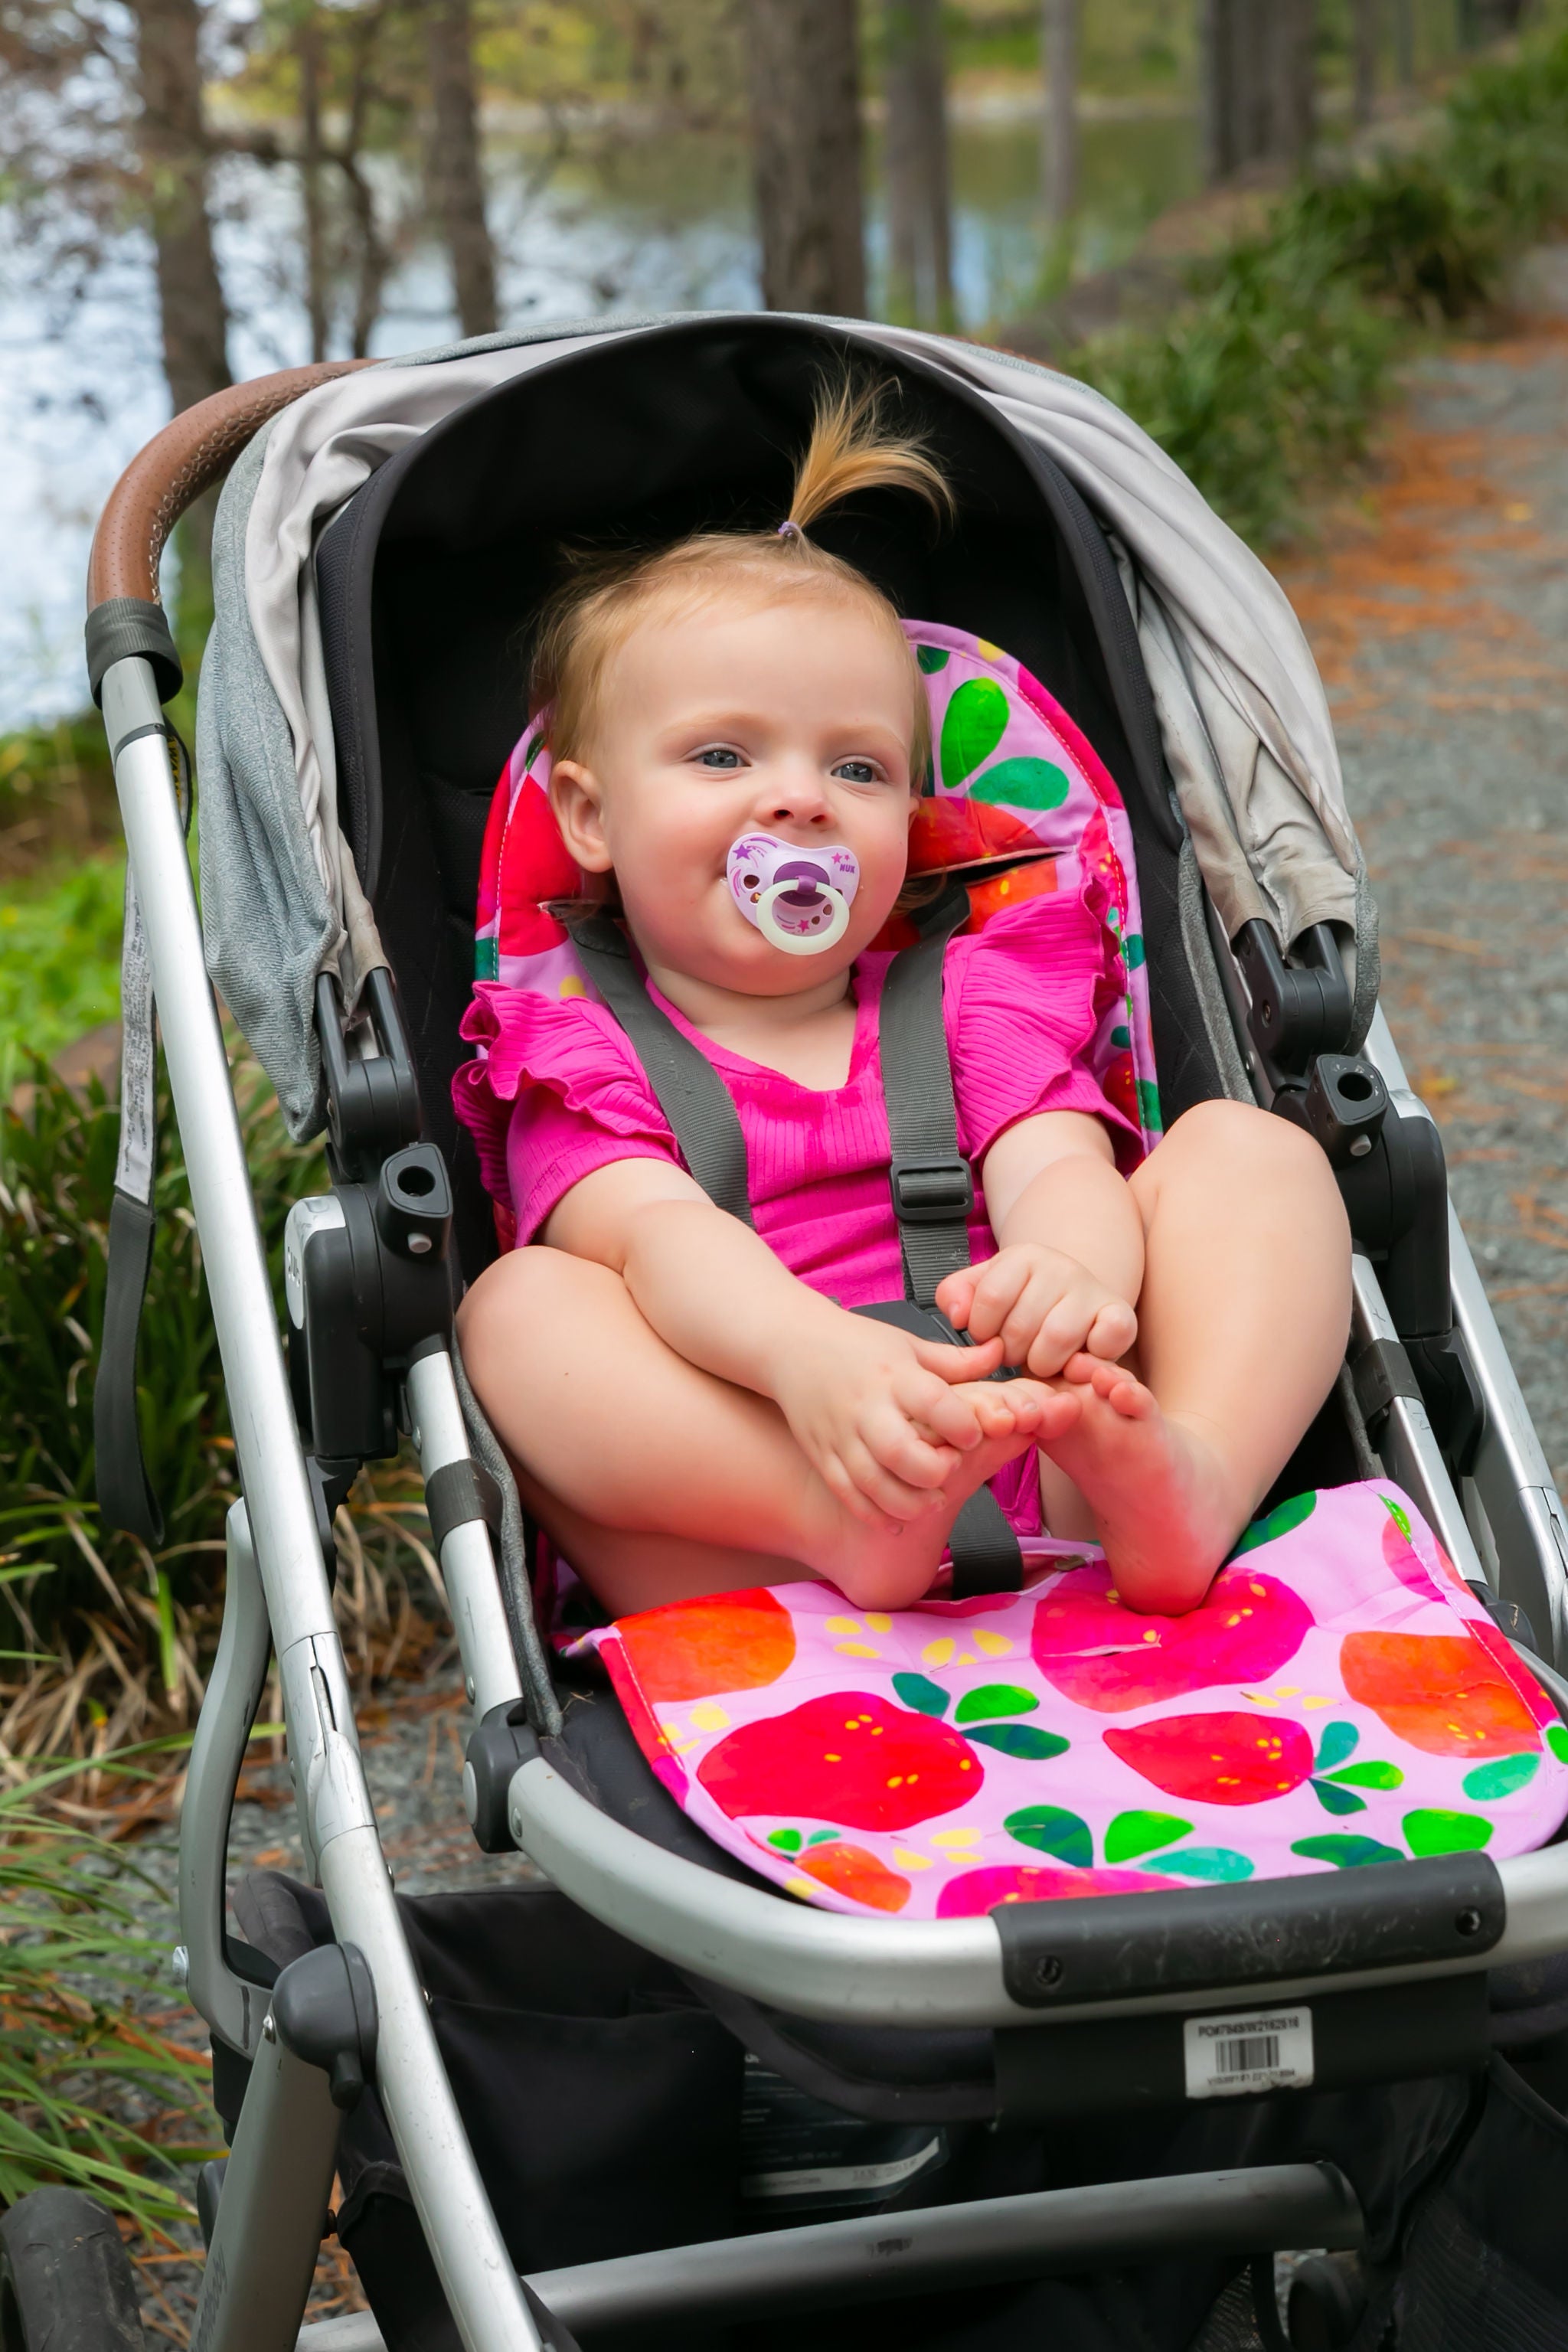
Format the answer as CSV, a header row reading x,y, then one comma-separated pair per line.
x,y
449,2196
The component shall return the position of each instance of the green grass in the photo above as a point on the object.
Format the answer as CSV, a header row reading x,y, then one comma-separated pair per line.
x,y
59,960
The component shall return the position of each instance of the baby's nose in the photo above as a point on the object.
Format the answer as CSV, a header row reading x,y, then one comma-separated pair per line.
x,y
799,798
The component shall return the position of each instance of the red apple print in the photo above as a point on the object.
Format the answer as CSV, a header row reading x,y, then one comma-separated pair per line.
x,y
953,830
981,1890
851,1869
1217,1759
726,1641
1447,1693
534,864
1106,1656
849,1757
647,1730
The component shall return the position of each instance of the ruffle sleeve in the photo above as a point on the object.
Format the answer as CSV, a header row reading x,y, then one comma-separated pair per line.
x,y
558,1093
1023,1001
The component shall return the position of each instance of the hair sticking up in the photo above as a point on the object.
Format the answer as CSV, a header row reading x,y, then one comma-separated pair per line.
x,y
851,449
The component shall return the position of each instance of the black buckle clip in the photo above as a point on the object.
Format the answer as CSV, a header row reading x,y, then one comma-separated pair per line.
x,y
933,1192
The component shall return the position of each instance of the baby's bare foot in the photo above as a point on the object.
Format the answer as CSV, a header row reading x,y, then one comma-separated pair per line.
x,y
1158,1492
882,1569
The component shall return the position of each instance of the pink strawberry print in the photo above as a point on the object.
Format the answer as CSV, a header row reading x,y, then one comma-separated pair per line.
x,y
1217,1759
981,1890
849,1757
1106,1656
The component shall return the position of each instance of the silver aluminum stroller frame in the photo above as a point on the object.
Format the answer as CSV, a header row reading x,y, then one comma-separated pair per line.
x,y
357,2011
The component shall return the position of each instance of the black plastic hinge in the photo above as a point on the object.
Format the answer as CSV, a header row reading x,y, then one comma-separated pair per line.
x,y
1297,1008
496,1748
323,2007
1380,1373
457,1492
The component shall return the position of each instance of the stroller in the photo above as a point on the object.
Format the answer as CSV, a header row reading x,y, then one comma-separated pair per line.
x,y
544,2103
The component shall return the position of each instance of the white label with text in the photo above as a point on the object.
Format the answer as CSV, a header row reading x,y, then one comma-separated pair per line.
x,y
1261,2050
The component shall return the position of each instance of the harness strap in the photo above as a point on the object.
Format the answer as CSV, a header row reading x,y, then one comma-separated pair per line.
x,y
691,1094
125,1496
933,1190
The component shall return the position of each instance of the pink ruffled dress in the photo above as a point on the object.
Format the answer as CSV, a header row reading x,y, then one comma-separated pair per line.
x,y
560,1092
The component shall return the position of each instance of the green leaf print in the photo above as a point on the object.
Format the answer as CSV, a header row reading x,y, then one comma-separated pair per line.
x,y
1019,1739
1401,1517
975,722
932,659
1130,1834
1049,1829
1132,950
1278,1523
1433,1830
1221,1865
823,1837
994,1699
486,959
1557,1740
1338,1741
1149,1106
1487,1782
1021,783
1369,1776
1345,1852
1337,1800
926,1698
786,1840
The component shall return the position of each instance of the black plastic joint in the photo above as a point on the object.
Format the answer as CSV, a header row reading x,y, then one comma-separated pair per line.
x,y
496,1747
126,626
932,1192
1381,1372
457,1492
324,2006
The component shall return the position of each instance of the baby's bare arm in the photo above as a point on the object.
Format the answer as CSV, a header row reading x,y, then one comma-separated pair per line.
x,y
877,1413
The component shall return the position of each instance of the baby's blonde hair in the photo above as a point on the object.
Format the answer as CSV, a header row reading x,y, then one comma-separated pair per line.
x,y
588,621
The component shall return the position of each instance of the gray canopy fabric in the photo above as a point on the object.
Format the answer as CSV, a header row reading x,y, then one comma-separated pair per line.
x,y
1246,725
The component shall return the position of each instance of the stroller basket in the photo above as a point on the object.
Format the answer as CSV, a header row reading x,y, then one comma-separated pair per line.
x,y
378,678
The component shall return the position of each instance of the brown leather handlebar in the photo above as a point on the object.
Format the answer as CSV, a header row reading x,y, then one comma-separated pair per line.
x,y
173,469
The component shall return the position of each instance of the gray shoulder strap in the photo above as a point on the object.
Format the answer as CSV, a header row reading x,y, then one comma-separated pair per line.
x,y
691,1094
933,1191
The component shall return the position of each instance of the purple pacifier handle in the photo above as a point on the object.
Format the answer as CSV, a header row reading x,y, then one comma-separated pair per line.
x,y
798,898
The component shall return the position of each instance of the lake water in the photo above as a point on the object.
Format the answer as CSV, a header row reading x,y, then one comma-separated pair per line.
x,y
628,225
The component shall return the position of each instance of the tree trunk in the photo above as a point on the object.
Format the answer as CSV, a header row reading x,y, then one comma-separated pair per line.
x,y
452,168
307,53
919,200
1256,72
1364,58
192,318
1058,43
1404,42
804,69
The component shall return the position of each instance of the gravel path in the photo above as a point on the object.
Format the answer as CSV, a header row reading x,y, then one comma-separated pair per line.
x,y
1437,605
1438,613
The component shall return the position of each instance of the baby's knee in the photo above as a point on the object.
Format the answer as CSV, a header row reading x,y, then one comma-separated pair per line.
x,y
525,1290
1236,1143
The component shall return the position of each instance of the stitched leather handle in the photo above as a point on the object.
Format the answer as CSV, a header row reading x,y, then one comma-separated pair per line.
x,y
173,469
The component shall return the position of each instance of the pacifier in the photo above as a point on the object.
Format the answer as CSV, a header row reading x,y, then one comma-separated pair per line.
x,y
798,898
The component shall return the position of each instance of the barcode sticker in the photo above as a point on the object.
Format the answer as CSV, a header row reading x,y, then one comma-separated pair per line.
x,y
1263,2050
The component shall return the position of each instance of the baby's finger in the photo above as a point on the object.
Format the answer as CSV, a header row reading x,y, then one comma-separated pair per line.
x,y
902,1499
896,1436
951,1363
997,1289
859,1506
1112,1331
953,1295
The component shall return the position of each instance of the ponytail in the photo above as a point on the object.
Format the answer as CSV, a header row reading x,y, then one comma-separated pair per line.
x,y
851,449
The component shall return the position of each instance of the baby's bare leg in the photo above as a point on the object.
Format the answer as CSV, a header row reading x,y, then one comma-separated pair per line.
x,y
657,1480
1243,1320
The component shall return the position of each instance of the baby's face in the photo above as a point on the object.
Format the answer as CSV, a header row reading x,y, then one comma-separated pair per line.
x,y
793,719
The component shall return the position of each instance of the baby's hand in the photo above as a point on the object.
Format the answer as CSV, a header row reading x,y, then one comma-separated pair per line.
x,y
1042,1305
884,1418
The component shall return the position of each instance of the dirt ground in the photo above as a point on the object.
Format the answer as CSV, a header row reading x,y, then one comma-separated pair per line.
x,y
1438,611
1437,602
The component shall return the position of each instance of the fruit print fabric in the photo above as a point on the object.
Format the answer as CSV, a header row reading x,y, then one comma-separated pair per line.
x,y
1341,1699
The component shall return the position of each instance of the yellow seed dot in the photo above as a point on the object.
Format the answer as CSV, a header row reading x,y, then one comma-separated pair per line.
x,y
897,1780
828,1757
572,986
995,1645
908,1859
938,1653
987,651
877,1624
804,1886
856,1650
707,1717
1150,1635
842,1626
954,1837
1232,1620
1258,1590
1316,1702
965,1658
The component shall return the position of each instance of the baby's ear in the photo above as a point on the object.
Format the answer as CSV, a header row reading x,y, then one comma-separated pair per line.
x,y
575,797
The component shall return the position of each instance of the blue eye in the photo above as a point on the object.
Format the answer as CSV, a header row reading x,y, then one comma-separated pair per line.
x,y
857,771
719,755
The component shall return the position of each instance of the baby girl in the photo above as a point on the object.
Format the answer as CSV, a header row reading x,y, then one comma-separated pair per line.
x,y
691,1403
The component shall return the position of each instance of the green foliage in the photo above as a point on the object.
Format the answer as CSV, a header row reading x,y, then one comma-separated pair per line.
x,y
57,793
59,962
57,1174
79,2067
1271,376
